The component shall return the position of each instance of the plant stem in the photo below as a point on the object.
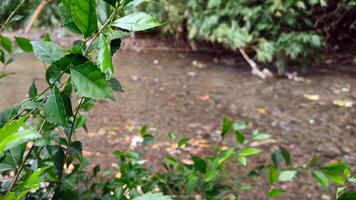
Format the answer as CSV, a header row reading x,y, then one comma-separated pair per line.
x,y
60,174
11,15
25,159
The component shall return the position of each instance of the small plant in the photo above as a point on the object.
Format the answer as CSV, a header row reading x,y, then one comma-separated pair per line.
x,y
40,158
36,136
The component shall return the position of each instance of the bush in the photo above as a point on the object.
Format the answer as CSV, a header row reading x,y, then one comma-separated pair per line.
x,y
276,31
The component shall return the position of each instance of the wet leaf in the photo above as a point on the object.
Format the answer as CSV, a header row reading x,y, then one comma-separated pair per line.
x,y
6,43
227,125
33,90
312,97
55,109
343,103
104,56
11,135
136,22
249,152
275,193
183,142
24,44
199,164
242,160
90,82
48,52
287,175
321,178
84,16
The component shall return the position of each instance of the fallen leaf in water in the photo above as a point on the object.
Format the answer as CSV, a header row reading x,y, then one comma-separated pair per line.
x,y
262,110
204,98
343,103
312,97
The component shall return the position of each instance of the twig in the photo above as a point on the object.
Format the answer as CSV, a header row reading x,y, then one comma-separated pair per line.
x,y
11,15
60,174
35,15
25,159
255,70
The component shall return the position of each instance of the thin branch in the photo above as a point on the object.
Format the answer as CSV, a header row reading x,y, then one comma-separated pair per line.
x,y
60,174
255,70
25,159
11,15
35,15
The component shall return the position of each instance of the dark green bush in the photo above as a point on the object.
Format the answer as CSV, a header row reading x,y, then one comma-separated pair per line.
x,y
276,31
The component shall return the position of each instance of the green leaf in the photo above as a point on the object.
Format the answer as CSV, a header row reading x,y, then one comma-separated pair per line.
x,y
249,152
54,110
84,16
183,142
172,136
7,114
352,179
76,147
239,126
275,193
53,74
192,181
12,139
242,160
24,44
6,43
116,85
227,125
348,196
136,22
2,59
272,175
239,137
69,61
34,180
66,13
153,196
287,175
286,156
67,104
334,168
199,164
277,158
33,90
90,82
257,135
321,178
48,52
104,56
46,38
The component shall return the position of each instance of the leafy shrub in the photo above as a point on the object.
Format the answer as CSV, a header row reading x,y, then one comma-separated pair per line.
x,y
276,31
40,159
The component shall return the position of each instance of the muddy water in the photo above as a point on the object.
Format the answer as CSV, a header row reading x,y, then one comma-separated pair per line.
x,y
191,93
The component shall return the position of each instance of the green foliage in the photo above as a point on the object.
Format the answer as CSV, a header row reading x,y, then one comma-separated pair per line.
x,y
37,141
276,31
